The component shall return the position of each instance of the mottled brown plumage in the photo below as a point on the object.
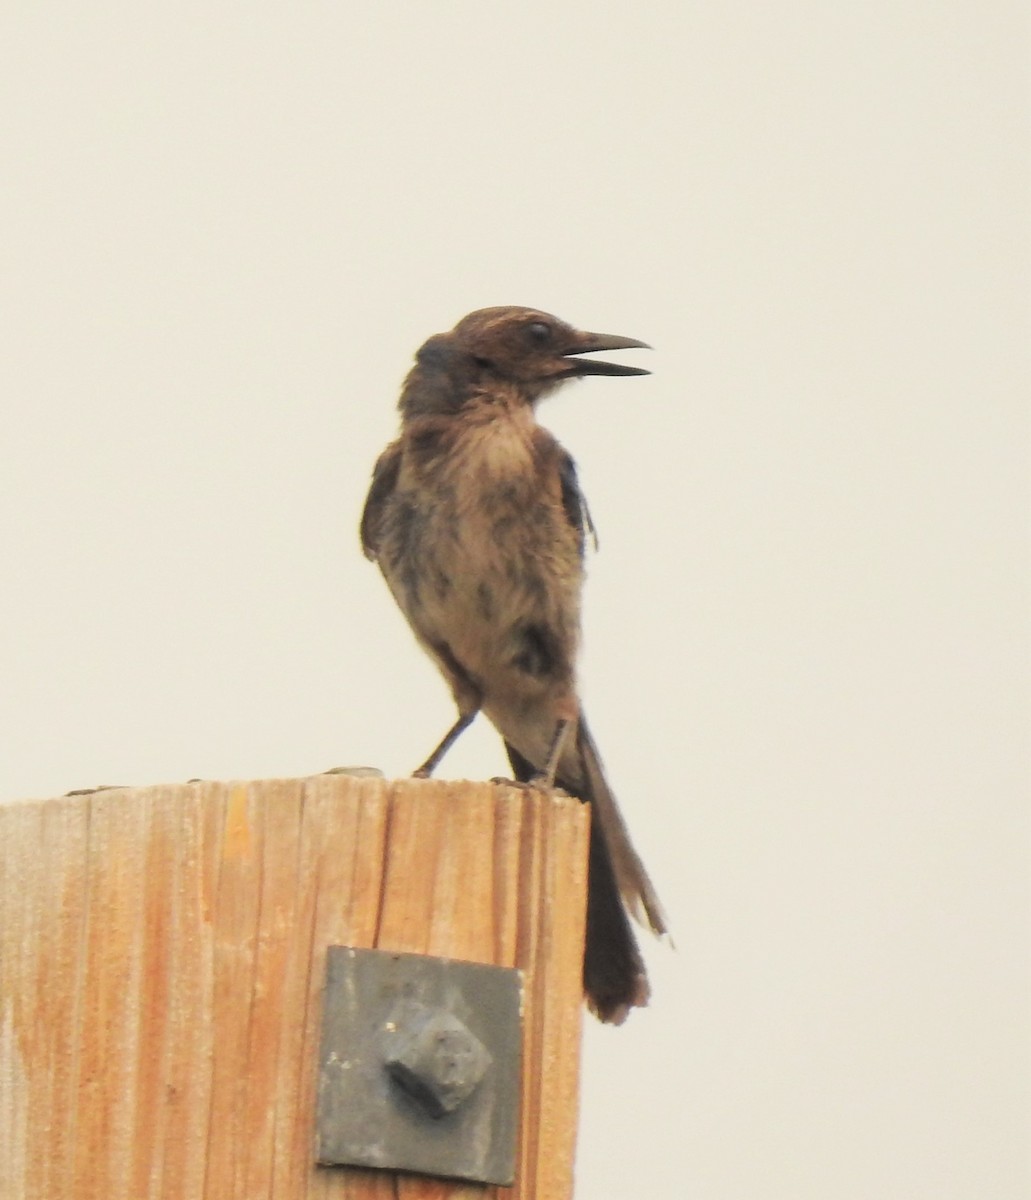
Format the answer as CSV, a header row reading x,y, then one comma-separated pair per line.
x,y
477,522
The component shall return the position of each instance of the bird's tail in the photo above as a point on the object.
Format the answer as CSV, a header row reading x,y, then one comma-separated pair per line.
x,y
615,979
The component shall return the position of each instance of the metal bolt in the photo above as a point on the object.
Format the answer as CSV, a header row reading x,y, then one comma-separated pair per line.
x,y
433,1056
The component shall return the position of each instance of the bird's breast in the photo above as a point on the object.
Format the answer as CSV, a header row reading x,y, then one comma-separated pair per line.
x,y
484,558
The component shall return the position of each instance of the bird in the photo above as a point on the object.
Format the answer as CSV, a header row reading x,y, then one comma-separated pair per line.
x,y
476,519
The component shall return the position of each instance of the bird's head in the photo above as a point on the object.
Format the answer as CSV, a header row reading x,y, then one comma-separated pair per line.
x,y
535,348
524,347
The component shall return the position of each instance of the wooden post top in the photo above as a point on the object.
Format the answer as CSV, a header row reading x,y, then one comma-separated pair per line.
x,y
162,955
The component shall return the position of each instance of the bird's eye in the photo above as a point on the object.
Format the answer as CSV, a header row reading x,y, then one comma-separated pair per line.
x,y
540,332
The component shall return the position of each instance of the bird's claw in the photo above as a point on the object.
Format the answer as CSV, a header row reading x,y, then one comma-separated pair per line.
x,y
538,783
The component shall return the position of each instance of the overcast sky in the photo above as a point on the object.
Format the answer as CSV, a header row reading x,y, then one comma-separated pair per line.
x,y
225,230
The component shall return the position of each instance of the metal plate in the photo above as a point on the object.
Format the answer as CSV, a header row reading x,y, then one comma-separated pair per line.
x,y
419,1065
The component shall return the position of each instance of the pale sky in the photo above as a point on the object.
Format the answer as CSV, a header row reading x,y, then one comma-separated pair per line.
x,y
225,231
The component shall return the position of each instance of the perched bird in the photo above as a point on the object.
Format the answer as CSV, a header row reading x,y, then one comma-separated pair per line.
x,y
478,524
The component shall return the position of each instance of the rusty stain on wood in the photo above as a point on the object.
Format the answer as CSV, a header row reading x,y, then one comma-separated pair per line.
x,y
162,954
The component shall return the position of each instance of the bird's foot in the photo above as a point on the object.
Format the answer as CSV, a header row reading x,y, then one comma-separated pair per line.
x,y
539,783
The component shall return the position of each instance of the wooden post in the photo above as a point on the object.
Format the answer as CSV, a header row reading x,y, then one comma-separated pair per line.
x,y
162,957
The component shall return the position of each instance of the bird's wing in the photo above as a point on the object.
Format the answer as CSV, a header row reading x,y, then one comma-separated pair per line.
x,y
384,480
574,503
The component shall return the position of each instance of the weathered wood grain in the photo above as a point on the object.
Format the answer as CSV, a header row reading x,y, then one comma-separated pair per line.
x,y
162,956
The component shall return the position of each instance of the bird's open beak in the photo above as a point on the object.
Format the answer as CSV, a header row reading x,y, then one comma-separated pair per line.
x,y
587,343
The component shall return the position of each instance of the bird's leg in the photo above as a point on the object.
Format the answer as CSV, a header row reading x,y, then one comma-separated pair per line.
x,y
468,698
446,742
546,777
